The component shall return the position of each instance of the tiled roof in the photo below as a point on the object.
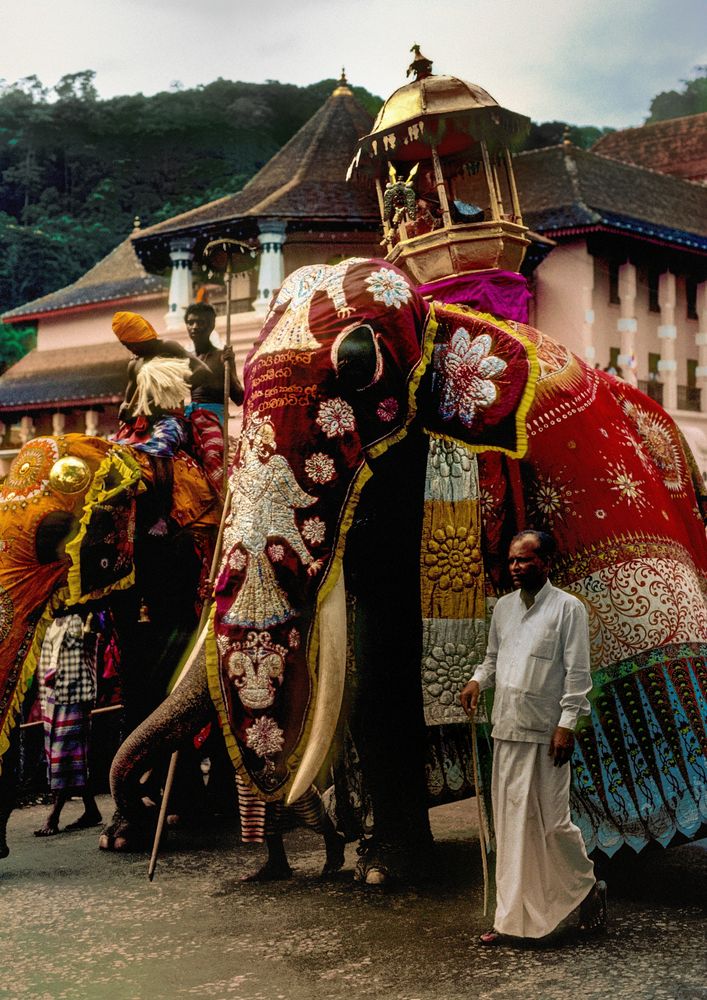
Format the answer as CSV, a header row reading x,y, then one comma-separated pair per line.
x,y
676,146
305,180
563,187
118,276
84,375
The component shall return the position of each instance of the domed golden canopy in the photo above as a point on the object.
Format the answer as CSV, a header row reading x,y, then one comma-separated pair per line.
x,y
439,154
444,111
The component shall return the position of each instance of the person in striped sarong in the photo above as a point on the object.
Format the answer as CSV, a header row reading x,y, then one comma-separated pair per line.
x,y
67,691
206,410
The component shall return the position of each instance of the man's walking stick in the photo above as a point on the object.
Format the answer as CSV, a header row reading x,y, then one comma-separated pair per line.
x,y
482,828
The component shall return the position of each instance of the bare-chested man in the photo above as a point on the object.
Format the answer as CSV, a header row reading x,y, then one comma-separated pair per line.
x,y
206,409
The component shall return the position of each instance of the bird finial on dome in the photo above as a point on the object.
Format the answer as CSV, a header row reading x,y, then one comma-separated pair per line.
x,y
421,66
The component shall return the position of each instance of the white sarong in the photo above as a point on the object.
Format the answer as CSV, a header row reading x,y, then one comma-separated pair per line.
x,y
542,868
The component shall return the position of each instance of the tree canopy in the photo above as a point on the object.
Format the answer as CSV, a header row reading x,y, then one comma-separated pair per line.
x,y
75,169
691,100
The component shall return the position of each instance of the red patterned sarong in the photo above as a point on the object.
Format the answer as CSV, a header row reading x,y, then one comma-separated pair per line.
x,y
207,438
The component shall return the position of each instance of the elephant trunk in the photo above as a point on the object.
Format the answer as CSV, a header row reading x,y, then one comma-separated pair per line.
x,y
181,715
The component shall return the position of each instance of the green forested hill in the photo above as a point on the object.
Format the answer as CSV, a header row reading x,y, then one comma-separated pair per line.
x,y
75,169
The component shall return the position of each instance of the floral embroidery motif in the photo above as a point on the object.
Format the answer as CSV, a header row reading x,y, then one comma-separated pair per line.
x,y
265,737
451,650
660,443
28,478
294,638
276,553
388,410
452,472
336,417
555,498
388,287
237,560
453,560
447,669
600,513
487,502
314,530
320,468
466,371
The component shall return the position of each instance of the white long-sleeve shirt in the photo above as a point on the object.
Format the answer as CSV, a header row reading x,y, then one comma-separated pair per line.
x,y
537,659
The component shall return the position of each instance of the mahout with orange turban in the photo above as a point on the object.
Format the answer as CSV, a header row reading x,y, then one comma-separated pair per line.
x,y
131,328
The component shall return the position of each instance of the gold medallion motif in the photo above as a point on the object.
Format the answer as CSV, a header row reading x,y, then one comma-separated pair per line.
x,y
69,475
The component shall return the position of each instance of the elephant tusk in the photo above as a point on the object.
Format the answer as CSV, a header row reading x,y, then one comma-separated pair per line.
x,y
332,677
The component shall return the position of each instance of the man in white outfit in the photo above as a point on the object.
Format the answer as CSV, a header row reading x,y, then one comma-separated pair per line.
x,y
537,660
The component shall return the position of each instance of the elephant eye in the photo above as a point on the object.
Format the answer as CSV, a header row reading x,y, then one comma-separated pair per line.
x,y
357,357
53,532
104,563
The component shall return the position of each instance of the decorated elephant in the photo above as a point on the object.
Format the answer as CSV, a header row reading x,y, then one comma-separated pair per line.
x,y
73,517
391,447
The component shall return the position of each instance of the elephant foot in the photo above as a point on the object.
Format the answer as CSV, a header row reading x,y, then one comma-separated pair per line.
x,y
123,835
271,871
374,868
383,864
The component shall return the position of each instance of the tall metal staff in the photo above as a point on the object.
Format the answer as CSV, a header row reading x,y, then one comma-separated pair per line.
x,y
231,257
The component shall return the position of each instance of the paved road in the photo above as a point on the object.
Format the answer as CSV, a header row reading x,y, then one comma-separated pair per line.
x,y
81,925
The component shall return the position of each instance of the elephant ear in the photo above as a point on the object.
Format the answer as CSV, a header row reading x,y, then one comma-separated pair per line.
x,y
101,554
482,381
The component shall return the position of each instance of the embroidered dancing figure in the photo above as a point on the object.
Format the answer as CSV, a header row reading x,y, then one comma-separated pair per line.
x,y
265,495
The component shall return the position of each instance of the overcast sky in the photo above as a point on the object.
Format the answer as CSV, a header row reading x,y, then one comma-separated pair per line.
x,y
589,62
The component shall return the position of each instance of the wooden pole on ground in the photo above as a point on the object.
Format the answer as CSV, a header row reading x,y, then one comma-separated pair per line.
x,y
221,252
196,649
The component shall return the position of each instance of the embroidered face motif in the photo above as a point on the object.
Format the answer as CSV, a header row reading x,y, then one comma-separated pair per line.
x,y
256,670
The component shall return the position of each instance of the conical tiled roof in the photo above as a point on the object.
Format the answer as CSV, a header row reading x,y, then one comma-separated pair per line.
x,y
305,180
119,275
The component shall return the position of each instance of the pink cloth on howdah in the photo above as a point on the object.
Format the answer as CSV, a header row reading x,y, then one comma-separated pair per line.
x,y
504,294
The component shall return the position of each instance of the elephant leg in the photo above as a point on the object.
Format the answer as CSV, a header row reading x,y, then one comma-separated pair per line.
x,y
8,787
181,715
388,724
389,732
